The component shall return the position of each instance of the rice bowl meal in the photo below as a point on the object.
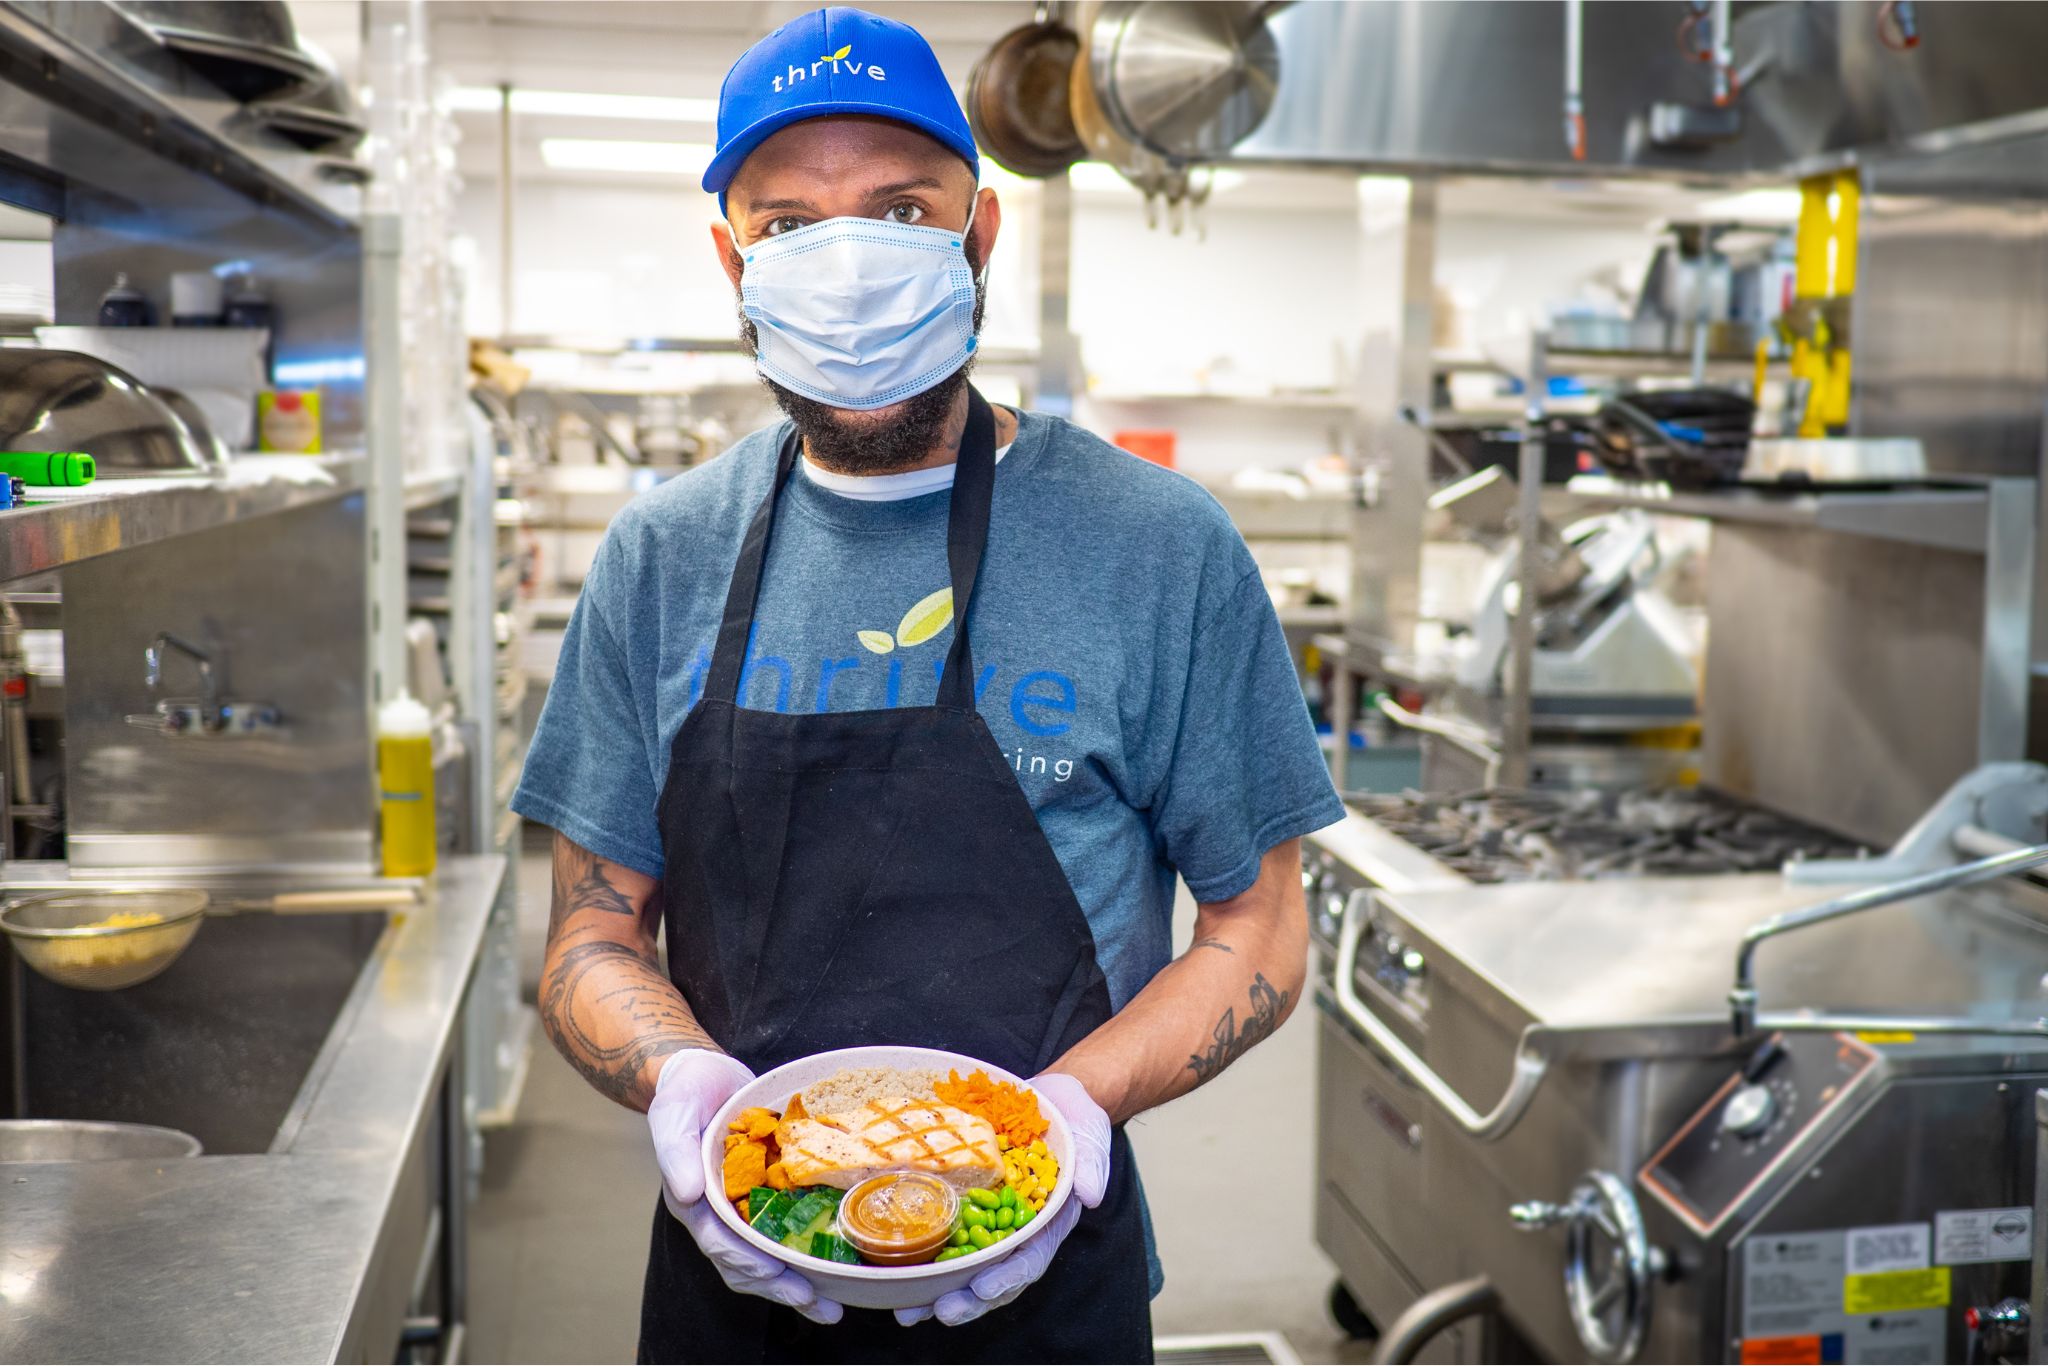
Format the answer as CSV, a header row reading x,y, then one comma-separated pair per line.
x,y
881,1172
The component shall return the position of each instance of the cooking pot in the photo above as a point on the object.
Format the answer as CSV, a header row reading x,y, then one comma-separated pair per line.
x,y
1018,100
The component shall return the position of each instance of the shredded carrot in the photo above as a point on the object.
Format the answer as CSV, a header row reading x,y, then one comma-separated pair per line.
x,y
1011,1110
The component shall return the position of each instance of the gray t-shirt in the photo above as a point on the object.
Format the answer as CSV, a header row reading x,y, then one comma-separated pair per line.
x,y
1127,660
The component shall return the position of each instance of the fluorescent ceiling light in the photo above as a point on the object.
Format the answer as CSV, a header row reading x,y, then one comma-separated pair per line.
x,y
1099,177
1754,206
587,105
641,158
1094,177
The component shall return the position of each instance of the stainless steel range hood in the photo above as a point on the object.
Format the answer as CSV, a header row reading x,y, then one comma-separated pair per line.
x,y
1478,86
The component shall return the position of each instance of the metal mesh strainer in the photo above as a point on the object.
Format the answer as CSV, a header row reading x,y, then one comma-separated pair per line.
x,y
104,939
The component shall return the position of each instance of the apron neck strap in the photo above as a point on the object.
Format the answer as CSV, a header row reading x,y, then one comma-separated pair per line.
x,y
967,514
967,518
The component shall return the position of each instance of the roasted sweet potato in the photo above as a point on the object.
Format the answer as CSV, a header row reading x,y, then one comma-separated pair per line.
x,y
746,1166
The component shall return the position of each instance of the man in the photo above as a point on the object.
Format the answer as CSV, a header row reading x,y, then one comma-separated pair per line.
x,y
901,718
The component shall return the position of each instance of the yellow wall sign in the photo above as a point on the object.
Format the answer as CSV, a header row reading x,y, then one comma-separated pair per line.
x,y
1895,1292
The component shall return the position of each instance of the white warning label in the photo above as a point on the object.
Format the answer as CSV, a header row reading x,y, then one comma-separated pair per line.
x,y
1894,1339
1791,1283
1963,1236
1889,1247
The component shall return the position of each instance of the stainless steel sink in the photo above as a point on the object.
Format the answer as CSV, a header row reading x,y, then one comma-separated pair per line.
x,y
220,1045
90,1140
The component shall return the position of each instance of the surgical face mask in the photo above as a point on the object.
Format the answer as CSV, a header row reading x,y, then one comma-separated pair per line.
x,y
859,312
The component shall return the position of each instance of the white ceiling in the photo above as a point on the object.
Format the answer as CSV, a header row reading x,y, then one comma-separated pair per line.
x,y
648,47
645,47
652,47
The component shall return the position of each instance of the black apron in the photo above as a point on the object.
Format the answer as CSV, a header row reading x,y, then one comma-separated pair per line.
x,y
878,877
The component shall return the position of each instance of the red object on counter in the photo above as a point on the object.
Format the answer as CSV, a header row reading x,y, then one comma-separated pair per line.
x,y
1156,446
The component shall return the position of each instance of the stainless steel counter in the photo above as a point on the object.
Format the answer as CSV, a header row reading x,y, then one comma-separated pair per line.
x,y
261,1257
1632,956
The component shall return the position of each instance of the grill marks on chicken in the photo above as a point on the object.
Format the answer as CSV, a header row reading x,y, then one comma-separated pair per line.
x,y
889,1133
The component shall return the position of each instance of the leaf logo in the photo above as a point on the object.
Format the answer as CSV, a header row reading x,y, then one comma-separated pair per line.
x,y
930,616
879,642
838,56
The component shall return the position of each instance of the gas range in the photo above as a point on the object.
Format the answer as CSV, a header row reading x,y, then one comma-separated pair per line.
x,y
1523,1009
1499,835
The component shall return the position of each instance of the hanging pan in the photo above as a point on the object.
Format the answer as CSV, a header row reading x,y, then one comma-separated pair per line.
x,y
1017,100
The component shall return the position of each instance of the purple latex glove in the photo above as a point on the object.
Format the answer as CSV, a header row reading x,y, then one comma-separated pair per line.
x,y
1007,1279
691,1087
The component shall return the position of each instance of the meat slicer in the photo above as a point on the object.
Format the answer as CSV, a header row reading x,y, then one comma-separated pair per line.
x,y
1612,654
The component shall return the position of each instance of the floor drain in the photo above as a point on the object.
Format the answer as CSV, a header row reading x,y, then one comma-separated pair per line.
x,y
1224,1349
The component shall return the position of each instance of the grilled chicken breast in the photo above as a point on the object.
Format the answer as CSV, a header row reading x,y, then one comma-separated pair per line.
x,y
890,1133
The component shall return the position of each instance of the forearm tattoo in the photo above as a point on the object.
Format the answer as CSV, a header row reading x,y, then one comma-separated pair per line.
x,y
601,988
1233,1041
607,1005
1212,943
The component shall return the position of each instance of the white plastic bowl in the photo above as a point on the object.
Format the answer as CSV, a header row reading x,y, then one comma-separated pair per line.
x,y
876,1287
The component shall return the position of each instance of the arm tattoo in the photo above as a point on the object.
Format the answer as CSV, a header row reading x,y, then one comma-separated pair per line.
x,y
580,884
635,997
1212,943
604,998
1232,1042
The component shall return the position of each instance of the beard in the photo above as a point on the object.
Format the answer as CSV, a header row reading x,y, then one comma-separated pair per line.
x,y
880,440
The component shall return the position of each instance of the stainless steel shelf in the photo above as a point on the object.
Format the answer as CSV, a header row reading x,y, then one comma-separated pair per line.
x,y
61,530
1944,518
83,84
614,346
1643,364
1260,515
623,346
1324,401
424,490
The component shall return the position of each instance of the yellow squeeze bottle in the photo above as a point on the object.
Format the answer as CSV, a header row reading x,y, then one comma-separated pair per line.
x,y
405,781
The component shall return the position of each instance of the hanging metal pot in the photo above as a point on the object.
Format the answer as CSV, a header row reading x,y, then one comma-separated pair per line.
x,y
1018,101
1143,168
1186,81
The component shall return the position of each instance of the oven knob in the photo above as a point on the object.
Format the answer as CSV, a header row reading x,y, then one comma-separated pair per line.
x,y
1749,1111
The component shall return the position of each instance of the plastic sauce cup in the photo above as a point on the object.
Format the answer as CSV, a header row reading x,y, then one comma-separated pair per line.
x,y
899,1218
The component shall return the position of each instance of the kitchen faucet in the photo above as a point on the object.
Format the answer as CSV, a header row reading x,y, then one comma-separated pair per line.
x,y
209,714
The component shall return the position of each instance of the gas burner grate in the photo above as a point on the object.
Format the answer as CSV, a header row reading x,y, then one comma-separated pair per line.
x,y
1505,835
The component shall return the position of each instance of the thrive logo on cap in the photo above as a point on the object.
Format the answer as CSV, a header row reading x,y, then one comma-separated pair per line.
x,y
834,61
830,61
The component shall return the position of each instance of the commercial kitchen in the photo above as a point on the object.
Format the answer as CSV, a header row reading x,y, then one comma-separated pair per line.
x,y
1632,415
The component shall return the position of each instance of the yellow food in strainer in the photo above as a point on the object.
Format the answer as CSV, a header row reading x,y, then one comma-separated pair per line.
x,y
108,950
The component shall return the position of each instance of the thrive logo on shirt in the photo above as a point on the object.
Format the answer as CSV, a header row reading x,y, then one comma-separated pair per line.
x,y
1041,703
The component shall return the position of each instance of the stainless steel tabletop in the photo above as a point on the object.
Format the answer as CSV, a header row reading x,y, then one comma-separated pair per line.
x,y
1661,951
255,1257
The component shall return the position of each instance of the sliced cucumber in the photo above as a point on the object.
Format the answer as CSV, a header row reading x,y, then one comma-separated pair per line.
x,y
834,1248
771,1218
813,1213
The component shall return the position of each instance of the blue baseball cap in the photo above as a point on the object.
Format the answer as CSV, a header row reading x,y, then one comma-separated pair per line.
x,y
834,61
